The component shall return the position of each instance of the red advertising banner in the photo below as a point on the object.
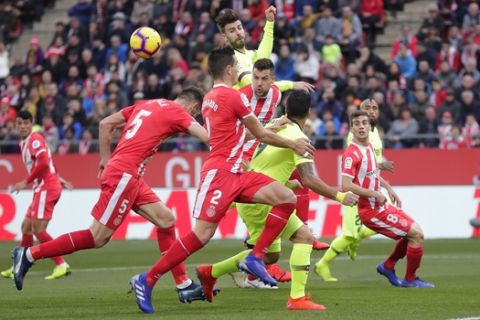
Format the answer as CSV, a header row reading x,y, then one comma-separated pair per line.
x,y
182,170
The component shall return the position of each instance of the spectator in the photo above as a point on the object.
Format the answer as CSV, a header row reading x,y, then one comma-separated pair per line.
x,y
471,19
408,39
369,58
285,65
331,52
7,113
429,126
307,65
437,95
455,38
432,20
445,125
351,33
83,10
331,139
4,63
87,145
331,104
117,48
50,131
446,75
205,27
327,25
402,130
450,55
70,124
454,141
469,69
470,130
141,7
419,104
469,106
406,62
114,66
176,61
450,104
184,26
371,13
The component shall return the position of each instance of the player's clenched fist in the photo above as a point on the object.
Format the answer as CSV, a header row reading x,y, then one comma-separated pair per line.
x,y
270,13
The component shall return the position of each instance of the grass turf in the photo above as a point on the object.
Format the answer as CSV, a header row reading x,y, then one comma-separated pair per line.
x,y
98,286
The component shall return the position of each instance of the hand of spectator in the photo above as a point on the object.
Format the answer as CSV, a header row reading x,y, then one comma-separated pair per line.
x,y
302,85
270,13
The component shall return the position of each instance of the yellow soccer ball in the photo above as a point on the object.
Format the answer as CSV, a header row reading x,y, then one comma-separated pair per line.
x,y
145,42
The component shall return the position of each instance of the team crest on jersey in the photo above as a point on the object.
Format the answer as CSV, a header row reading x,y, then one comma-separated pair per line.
x,y
403,222
35,144
211,212
117,221
348,163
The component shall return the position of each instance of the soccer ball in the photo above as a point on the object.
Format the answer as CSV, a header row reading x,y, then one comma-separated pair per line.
x,y
145,42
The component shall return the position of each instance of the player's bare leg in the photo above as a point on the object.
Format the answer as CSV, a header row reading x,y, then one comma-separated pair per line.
x,y
283,201
164,219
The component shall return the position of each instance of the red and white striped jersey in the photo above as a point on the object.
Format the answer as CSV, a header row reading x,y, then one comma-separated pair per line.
x,y
223,109
359,163
264,109
31,147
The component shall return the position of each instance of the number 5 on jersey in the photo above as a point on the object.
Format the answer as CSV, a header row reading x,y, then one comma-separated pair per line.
x,y
136,124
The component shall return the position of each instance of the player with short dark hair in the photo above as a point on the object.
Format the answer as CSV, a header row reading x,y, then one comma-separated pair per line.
x,y
146,126
47,188
227,115
360,174
278,164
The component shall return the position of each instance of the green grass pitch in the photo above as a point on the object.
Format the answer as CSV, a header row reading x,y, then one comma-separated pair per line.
x,y
97,288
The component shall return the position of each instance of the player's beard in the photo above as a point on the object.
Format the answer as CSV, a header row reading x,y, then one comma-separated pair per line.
x,y
373,123
238,44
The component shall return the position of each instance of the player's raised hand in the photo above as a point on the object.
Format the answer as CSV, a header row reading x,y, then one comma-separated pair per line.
x,y
351,199
270,13
387,165
302,85
303,148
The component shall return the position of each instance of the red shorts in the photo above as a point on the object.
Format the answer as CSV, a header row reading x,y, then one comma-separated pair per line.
x,y
219,188
43,203
392,222
121,192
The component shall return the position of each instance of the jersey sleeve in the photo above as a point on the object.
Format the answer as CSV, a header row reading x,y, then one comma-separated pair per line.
x,y
241,106
37,145
127,112
349,164
284,85
183,120
266,45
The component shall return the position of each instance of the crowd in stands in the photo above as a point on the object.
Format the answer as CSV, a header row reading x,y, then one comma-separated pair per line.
x,y
428,90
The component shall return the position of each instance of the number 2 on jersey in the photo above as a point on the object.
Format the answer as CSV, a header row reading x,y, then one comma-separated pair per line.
x,y
136,124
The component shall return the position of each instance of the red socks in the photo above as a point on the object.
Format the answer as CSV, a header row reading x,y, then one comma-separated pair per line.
x,y
414,257
303,204
398,253
65,244
45,237
276,220
178,252
165,238
27,240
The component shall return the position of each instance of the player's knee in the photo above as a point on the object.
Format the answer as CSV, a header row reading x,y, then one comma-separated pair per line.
x,y
285,196
303,235
415,234
167,221
101,241
271,257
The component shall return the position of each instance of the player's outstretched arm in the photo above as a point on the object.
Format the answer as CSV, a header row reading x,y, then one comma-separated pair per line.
x,y
42,165
198,131
266,45
285,85
348,185
301,146
105,137
313,182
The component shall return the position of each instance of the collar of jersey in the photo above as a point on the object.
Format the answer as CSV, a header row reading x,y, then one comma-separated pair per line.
x,y
220,85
